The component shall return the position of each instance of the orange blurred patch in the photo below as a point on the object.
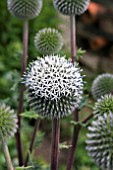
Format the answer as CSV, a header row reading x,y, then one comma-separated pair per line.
x,y
95,9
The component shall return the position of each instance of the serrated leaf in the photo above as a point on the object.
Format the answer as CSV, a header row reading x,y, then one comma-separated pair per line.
x,y
30,114
80,53
15,80
64,145
79,123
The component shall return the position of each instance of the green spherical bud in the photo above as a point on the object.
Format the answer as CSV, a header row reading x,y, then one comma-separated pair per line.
x,y
102,85
100,141
25,9
71,7
8,122
48,41
103,105
54,85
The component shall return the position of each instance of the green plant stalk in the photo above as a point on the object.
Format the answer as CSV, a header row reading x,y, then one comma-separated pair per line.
x,y
55,143
21,97
7,155
76,114
37,123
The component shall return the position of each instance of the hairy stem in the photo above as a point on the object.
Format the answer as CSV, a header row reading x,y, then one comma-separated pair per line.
x,y
21,97
37,123
55,143
7,155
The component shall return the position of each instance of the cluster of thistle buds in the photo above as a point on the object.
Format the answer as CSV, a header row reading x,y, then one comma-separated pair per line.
x,y
100,136
55,85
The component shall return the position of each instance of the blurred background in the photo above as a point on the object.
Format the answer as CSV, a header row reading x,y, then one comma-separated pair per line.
x,y
94,34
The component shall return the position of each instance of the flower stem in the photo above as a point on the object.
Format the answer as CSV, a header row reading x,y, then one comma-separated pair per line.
x,y
37,123
7,155
74,141
55,143
87,118
73,37
21,97
76,114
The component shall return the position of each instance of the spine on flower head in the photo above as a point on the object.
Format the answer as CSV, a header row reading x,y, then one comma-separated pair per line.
x,y
54,86
71,7
103,84
100,141
103,104
24,9
48,41
8,122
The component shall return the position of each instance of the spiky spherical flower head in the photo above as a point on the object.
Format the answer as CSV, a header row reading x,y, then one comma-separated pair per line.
x,y
100,141
103,105
71,7
48,41
102,85
54,86
8,122
25,9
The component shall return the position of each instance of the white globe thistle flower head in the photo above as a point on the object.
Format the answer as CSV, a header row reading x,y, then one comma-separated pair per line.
x,y
71,7
8,122
54,86
24,9
100,141
103,105
48,41
102,84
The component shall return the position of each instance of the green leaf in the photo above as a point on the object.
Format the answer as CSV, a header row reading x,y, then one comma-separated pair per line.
x,y
80,53
84,102
64,145
79,123
23,168
38,139
30,115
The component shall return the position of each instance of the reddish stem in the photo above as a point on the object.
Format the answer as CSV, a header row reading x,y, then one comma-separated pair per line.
x,y
21,97
76,117
55,143
37,123
76,114
75,138
87,119
74,141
